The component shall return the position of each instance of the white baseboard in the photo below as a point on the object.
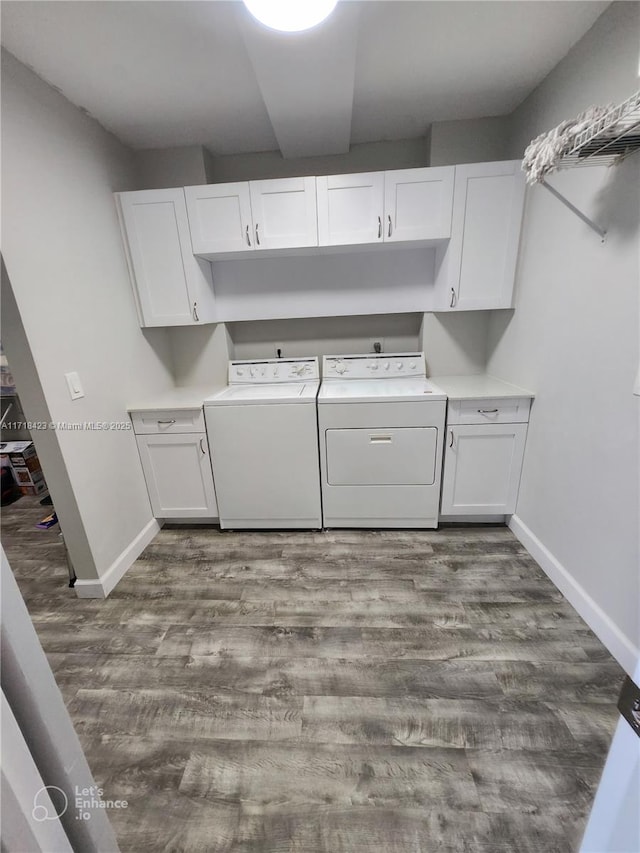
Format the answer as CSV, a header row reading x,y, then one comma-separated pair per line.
x,y
101,587
602,626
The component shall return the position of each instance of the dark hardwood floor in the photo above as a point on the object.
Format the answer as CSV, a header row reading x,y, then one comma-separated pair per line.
x,y
338,692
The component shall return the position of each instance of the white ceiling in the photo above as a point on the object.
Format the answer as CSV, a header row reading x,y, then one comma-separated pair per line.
x,y
160,74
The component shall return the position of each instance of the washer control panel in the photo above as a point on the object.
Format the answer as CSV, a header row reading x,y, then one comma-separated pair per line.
x,y
373,366
270,370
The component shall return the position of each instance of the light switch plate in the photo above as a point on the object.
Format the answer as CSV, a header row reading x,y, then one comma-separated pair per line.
x,y
75,387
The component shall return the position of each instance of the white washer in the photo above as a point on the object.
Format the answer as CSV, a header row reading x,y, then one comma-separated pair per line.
x,y
263,439
381,424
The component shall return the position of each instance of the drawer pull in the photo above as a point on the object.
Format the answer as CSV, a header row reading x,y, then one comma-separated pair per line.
x,y
380,439
170,421
487,411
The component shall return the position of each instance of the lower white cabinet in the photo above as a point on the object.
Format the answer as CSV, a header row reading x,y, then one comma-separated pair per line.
x,y
482,467
177,470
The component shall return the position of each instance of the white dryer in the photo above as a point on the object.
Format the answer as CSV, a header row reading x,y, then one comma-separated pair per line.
x,y
263,439
381,425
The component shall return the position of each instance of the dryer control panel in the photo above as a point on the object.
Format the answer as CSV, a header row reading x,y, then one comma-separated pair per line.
x,y
271,370
373,366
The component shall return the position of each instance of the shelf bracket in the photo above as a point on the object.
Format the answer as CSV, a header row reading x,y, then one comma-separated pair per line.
x,y
599,231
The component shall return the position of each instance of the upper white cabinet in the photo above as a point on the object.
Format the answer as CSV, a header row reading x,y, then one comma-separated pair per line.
x,y
220,217
350,209
172,288
385,207
459,227
252,215
418,204
284,213
476,269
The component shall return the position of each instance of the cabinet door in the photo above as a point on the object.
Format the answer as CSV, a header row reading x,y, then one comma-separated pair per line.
x,y
177,470
172,288
418,204
482,468
480,261
220,218
284,213
350,209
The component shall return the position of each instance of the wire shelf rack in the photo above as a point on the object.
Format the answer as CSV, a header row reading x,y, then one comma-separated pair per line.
x,y
608,140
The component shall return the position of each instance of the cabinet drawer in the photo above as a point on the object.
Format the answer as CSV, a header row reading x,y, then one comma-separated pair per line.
x,y
513,410
168,421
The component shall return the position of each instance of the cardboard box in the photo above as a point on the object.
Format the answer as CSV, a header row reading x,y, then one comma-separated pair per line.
x,y
26,466
34,488
20,451
25,477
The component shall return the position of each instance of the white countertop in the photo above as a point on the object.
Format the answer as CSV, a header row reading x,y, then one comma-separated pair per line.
x,y
478,386
471,387
189,397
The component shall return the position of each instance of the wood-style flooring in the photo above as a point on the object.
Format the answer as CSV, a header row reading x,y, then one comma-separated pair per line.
x,y
337,692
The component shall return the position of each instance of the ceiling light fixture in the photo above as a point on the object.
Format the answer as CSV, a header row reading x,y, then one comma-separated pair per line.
x,y
290,16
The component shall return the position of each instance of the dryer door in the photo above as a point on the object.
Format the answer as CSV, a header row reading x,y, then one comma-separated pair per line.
x,y
381,457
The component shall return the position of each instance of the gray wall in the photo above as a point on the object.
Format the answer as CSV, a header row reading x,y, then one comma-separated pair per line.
x,y
453,343
64,256
573,337
200,355
479,140
183,166
46,441
365,157
325,335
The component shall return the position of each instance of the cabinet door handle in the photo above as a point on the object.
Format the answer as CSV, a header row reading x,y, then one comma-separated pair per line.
x,y
170,421
389,231
487,411
379,227
204,452
195,312
248,238
257,235
450,438
453,298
